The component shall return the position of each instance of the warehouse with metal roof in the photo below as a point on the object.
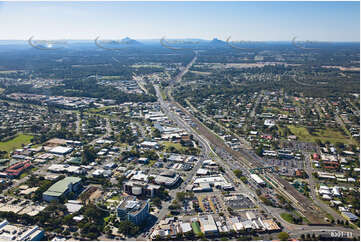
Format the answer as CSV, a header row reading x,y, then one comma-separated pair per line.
x,y
62,187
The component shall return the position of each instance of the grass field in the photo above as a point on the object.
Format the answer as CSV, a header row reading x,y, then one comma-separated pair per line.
x,y
287,217
177,146
25,174
276,110
15,143
98,110
145,66
324,135
110,78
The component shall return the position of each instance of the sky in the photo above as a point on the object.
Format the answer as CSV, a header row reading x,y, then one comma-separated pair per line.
x,y
254,21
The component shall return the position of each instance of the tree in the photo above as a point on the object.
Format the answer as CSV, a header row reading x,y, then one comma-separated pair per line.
x,y
151,179
238,173
157,202
181,196
259,150
283,236
127,228
88,155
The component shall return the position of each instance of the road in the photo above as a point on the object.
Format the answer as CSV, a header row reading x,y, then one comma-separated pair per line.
x,y
247,158
259,98
292,229
108,131
244,142
205,143
312,181
78,122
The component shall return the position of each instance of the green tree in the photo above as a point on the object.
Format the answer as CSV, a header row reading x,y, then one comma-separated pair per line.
x,y
283,236
88,155
128,228
237,173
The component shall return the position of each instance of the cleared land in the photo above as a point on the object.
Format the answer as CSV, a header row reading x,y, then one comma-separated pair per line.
x,y
15,143
333,136
177,146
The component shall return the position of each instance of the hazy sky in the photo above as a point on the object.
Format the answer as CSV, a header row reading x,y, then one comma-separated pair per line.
x,y
328,21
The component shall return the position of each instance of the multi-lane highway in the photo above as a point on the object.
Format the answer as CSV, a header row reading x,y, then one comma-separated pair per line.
x,y
247,159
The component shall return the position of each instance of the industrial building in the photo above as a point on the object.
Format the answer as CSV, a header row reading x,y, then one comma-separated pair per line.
x,y
61,188
10,232
258,180
61,150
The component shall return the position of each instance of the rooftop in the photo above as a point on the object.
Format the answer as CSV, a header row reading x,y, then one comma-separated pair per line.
x,y
61,186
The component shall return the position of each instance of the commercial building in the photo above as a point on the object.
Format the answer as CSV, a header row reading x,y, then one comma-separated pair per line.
x,y
133,210
15,170
258,180
140,188
208,225
205,183
10,232
352,217
168,179
61,150
62,188
149,145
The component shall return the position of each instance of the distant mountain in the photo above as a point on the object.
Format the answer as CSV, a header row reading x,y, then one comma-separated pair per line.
x,y
217,42
130,41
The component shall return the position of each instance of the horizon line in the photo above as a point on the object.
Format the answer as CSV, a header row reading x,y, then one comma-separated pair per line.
x,y
146,39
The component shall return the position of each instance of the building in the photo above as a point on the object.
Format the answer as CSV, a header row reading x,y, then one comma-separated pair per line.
x,y
15,170
10,232
258,180
168,179
149,145
350,216
61,150
208,225
136,211
139,188
62,188
271,225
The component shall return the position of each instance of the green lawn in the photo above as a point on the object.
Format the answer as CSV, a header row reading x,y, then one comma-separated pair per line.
x,y
276,110
117,198
110,78
15,143
25,174
98,110
177,146
287,217
324,135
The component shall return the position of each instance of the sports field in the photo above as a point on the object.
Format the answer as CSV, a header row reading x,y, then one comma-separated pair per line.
x,y
15,143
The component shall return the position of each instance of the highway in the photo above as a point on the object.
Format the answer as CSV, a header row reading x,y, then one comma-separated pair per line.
x,y
247,159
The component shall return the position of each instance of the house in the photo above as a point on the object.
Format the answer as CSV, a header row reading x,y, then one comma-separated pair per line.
x,y
143,160
149,145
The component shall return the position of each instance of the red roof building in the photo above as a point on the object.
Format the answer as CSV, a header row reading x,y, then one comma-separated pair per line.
x,y
315,156
18,168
